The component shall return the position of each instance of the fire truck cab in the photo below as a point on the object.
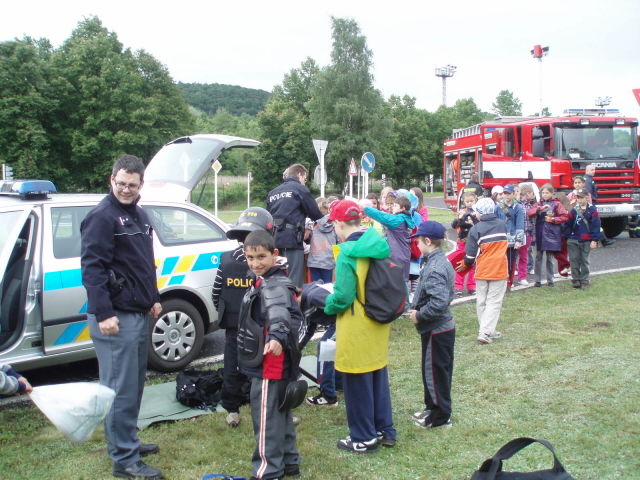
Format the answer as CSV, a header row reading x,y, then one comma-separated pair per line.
x,y
552,150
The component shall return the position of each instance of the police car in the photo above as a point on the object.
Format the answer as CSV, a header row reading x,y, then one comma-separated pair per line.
x,y
43,307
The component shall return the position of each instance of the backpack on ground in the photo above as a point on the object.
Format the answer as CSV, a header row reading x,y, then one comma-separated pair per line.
x,y
385,290
199,388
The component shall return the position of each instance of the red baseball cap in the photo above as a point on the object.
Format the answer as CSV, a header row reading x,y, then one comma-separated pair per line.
x,y
344,210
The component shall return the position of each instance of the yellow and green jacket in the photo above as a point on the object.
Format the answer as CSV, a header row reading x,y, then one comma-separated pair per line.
x,y
362,344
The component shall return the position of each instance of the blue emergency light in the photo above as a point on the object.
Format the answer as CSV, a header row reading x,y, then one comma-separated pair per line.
x,y
27,188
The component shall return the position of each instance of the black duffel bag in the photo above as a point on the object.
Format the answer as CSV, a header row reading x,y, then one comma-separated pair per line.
x,y
492,468
199,388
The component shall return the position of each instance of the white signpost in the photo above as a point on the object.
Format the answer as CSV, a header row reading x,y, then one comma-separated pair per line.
x,y
216,168
249,178
321,148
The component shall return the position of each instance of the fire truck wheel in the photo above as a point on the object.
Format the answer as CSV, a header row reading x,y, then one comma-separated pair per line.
x,y
176,336
613,226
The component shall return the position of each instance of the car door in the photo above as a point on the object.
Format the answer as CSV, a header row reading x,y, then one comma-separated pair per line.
x,y
178,167
65,328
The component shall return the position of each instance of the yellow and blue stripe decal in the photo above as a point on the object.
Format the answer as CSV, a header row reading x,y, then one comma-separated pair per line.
x,y
174,269
75,332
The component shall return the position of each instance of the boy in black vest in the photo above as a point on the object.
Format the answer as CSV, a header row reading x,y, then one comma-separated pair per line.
x,y
231,283
268,353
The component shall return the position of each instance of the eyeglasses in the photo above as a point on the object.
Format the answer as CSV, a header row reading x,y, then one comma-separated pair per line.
x,y
131,186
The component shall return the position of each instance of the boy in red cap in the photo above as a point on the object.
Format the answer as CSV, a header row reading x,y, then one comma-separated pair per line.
x,y
362,345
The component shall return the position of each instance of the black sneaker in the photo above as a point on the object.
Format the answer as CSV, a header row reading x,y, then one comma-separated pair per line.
x,y
358,447
137,470
422,414
322,401
385,439
423,423
292,471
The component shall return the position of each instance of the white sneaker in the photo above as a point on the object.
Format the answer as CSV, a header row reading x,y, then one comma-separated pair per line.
x,y
566,271
233,419
532,272
495,334
484,338
557,275
524,283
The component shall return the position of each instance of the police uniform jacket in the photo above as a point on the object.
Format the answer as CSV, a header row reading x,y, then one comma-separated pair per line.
x,y
232,281
290,204
118,236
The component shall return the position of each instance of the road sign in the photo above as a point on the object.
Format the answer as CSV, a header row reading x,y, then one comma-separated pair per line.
x,y
321,148
353,170
368,162
320,181
217,166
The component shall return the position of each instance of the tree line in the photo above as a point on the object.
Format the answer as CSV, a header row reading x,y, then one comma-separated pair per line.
x,y
67,113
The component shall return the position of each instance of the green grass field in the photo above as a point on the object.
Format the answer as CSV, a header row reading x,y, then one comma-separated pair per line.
x,y
565,370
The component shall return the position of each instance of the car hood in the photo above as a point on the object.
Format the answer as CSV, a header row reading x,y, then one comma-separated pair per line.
x,y
178,167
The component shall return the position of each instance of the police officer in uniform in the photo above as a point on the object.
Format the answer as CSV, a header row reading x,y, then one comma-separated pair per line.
x,y
290,204
231,283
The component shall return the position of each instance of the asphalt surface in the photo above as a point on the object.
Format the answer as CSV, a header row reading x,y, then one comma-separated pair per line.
x,y
623,255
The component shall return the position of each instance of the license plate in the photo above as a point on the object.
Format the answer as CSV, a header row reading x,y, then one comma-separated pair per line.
x,y
606,209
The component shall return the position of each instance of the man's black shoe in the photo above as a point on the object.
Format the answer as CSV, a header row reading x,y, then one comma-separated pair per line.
x,y
608,242
137,470
148,449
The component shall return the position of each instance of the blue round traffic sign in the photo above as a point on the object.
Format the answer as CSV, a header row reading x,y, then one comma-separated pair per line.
x,y
368,162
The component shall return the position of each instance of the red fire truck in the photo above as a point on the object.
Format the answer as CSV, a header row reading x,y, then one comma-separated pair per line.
x,y
552,150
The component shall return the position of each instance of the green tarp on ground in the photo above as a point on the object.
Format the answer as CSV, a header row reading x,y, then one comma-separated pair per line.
x,y
159,402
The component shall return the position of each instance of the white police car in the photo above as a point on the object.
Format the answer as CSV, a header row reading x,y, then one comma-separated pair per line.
x,y
43,305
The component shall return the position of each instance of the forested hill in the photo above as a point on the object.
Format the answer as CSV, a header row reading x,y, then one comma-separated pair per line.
x,y
209,97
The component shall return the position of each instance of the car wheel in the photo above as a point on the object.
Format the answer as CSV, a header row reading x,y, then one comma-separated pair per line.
x,y
176,336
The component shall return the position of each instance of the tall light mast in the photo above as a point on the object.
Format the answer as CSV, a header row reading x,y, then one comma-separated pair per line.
x,y
539,52
444,73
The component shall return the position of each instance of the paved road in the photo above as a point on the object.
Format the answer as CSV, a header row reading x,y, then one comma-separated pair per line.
x,y
625,253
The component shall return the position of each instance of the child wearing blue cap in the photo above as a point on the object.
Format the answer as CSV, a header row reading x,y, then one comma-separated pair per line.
x,y
431,314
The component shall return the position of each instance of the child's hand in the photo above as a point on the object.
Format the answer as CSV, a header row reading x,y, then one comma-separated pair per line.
x,y
413,317
593,245
273,347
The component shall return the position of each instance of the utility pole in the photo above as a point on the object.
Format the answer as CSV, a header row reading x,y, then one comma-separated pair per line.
x,y
539,52
444,73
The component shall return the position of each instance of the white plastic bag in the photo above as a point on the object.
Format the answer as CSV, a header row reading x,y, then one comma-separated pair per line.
x,y
76,409
327,351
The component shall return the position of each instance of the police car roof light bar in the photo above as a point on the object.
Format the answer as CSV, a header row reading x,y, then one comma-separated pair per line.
x,y
27,188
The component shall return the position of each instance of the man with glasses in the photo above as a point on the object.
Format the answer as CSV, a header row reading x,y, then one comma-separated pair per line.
x,y
119,274
290,204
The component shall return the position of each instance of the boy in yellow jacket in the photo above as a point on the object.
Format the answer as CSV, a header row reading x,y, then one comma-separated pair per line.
x,y
362,344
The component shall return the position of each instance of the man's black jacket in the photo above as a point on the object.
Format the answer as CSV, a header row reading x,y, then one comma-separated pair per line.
x,y
118,237
290,204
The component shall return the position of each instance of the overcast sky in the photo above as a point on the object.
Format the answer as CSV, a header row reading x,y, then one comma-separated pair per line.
x,y
594,44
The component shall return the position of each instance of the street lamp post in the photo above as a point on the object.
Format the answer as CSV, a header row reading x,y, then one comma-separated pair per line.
x,y
539,52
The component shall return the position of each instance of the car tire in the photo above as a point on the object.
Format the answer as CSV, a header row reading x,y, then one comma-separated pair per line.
x,y
175,337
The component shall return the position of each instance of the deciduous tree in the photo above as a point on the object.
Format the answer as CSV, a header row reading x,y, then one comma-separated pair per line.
x,y
507,104
345,107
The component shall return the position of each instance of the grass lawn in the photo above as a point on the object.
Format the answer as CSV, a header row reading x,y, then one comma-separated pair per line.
x,y
565,370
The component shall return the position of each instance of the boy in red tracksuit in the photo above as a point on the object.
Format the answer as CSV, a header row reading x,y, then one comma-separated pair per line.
x,y
268,354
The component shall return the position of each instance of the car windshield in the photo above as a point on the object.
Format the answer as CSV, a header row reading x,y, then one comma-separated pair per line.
x,y
596,142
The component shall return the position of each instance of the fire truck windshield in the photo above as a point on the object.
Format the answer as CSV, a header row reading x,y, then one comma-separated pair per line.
x,y
595,142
